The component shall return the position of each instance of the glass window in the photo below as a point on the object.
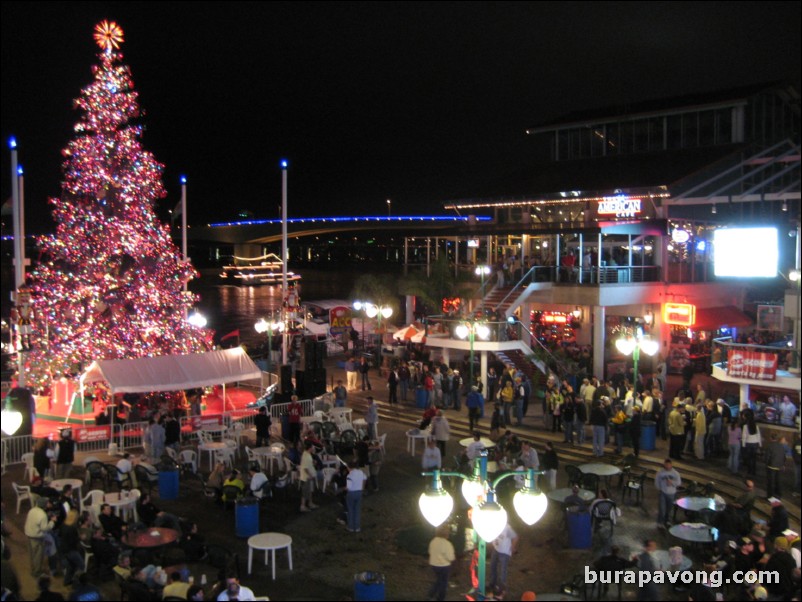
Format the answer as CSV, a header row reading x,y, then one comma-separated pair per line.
x,y
707,128
612,140
674,131
562,145
641,132
723,126
597,141
690,130
626,138
656,127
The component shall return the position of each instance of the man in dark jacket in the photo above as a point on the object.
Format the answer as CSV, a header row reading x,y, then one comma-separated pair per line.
x,y
172,433
262,423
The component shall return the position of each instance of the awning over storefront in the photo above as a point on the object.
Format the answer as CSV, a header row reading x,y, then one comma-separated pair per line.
x,y
713,318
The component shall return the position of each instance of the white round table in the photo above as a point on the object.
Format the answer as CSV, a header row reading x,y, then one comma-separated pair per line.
x,y
211,447
269,453
694,532
486,442
412,437
121,504
269,542
59,484
599,468
559,495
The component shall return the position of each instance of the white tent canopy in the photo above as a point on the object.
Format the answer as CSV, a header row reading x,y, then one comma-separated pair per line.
x,y
173,372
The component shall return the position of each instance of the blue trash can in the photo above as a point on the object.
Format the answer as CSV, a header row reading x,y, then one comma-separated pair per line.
x,y
247,516
648,435
579,532
168,484
369,586
421,398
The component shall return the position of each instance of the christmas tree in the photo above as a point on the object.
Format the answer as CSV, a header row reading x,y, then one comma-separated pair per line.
x,y
110,282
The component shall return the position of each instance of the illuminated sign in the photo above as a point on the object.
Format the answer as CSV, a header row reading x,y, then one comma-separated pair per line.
x,y
619,206
680,236
339,320
681,314
473,243
555,318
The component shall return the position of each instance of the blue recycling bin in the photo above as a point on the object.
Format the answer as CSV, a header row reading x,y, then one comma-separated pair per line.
x,y
246,516
648,435
579,531
421,398
369,586
168,484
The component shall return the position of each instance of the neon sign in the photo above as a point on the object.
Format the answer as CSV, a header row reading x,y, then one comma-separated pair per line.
x,y
681,314
619,206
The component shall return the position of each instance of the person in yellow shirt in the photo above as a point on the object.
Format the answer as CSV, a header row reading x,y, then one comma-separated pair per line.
x,y
441,557
700,432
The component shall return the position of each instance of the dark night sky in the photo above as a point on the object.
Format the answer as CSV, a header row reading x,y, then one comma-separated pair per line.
x,y
417,103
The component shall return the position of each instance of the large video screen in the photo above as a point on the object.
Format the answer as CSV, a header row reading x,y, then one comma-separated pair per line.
x,y
746,252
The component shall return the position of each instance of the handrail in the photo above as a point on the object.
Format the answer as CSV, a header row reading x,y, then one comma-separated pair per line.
x,y
564,369
517,285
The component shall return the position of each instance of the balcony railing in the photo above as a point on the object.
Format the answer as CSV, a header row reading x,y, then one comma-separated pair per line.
x,y
787,357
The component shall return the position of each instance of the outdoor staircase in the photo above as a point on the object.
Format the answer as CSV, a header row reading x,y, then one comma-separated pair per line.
x,y
494,298
520,361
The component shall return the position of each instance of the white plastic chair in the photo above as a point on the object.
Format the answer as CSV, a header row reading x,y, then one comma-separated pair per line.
x,y
23,493
134,496
382,439
327,474
226,456
236,432
232,445
87,550
93,498
251,456
30,472
189,457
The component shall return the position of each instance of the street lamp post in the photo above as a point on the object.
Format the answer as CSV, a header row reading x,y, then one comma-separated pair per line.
x,y
488,516
263,326
469,330
633,345
482,271
389,208
373,311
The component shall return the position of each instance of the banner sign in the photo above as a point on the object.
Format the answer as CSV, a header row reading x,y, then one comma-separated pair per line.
x,y
751,364
681,314
339,320
85,434
199,422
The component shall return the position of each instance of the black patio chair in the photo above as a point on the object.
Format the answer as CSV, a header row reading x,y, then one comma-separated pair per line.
x,y
590,482
634,486
347,442
96,471
603,511
574,475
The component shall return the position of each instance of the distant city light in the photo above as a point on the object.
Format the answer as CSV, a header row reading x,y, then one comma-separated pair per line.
x,y
12,142
284,164
367,218
183,179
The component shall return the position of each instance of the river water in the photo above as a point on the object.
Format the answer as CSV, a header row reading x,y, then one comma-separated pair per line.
x,y
230,307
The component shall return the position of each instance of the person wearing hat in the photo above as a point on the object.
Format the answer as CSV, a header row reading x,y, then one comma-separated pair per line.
x,y
258,480
475,403
781,563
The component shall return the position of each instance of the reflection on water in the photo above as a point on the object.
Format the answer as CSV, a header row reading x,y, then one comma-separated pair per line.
x,y
228,307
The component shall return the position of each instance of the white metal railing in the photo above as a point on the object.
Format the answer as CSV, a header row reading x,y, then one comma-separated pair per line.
x,y
131,434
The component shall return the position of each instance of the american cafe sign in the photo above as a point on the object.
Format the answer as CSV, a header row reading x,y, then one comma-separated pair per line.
x,y
619,206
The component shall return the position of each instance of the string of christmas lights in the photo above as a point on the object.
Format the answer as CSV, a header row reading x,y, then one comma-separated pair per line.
x,y
110,282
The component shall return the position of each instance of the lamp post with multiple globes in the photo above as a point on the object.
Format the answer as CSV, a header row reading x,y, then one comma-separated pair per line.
x,y
271,327
469,330
373,311
633,345
488,516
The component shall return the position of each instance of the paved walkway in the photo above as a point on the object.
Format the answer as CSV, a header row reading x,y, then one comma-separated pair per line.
x,y
326,556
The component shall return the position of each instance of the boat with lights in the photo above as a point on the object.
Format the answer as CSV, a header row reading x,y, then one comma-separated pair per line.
x,y
251,271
